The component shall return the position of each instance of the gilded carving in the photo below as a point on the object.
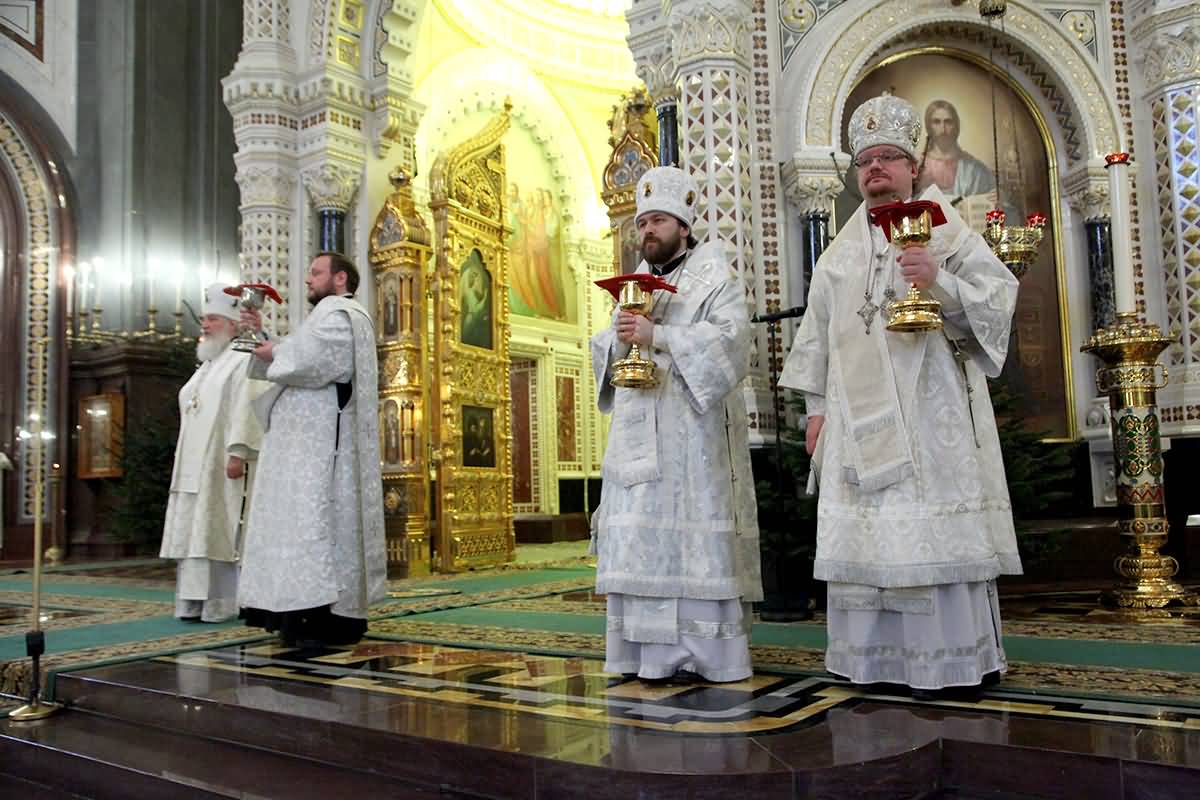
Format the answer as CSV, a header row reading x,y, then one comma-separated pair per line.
x,y
471,366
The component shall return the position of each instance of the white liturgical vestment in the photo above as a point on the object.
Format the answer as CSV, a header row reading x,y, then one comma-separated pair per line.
x,y
315,534
205,508
676,532
913,499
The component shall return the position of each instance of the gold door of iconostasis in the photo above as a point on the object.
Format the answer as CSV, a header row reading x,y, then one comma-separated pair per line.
x,y
471,423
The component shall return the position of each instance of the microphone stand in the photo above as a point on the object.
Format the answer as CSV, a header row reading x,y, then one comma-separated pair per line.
x,y
786,613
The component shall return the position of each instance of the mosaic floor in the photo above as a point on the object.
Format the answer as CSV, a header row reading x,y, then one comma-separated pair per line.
x,y
579,689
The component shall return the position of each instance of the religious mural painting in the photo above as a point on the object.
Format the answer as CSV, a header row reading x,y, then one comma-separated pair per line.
x,y
541,283
478,437
475,302
954,97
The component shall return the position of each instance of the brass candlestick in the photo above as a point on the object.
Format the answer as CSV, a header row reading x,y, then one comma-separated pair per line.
x,y
915,313
1130,377
633,371
35,638
1015,246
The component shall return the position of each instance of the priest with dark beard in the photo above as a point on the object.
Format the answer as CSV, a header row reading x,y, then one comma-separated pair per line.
x,y
219,438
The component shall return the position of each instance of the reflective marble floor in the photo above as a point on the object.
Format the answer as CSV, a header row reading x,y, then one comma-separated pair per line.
x,y
498,723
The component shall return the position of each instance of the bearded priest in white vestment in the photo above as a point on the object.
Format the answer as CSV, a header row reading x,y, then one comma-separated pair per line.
x,y
314,557
676,532
913,519
219,439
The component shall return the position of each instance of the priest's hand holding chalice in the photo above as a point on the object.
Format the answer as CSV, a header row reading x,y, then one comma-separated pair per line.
x,y
251,298
635,297
910,227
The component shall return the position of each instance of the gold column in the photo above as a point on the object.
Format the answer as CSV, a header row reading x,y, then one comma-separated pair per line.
x,y
399,252
1131,377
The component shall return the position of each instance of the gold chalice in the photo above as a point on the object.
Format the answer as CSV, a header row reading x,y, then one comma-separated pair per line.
x,y
633,371
915,313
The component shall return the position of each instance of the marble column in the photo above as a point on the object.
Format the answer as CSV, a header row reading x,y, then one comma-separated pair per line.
x,y
332,187
668,132
261,96
812,185
656,68
1087,193
710,43
1166,44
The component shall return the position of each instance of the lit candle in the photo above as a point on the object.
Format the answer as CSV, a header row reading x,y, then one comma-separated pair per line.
x,y
1122,250
178,287
98,270
68,273
152,267
85,273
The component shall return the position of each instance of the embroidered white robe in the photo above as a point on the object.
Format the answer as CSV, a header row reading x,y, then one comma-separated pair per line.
x,y
315,534
677,519
204,516
931,507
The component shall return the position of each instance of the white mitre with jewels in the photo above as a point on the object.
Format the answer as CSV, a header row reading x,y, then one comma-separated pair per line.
x,y
885,119
670,190
216,301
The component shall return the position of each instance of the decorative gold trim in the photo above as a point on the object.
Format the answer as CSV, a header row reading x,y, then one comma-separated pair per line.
x,y
1060,275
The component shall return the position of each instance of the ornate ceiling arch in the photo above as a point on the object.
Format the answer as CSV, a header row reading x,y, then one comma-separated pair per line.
x,y
1035,45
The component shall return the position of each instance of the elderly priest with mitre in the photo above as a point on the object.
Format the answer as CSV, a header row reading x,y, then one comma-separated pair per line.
x,y
219,438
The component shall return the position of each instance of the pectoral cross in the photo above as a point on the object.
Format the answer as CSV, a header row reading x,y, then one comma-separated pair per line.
x,y
867,311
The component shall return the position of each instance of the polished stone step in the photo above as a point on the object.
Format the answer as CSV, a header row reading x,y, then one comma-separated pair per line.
x,y
79,754
11,787
488,723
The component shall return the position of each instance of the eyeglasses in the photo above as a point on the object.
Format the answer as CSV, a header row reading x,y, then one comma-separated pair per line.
x,y
884,158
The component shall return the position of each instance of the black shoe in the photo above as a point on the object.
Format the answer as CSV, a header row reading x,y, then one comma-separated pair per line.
x,y
898,689
961,694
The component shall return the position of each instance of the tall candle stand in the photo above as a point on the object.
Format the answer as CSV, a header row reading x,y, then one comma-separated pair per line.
x,y
35,638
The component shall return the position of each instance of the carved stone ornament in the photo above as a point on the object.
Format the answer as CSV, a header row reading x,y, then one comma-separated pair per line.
x,y
657,71
1087,192
332,186
711,29
813,184
268,185
1173,58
